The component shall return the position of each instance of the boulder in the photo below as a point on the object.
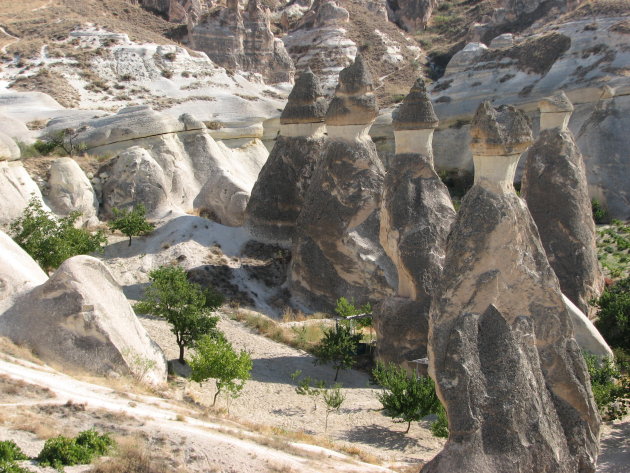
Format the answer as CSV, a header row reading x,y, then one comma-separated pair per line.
x,y
416,216
70,190
278,195
336,251
16,189
501,348
9,150
18,271
555,189
80,319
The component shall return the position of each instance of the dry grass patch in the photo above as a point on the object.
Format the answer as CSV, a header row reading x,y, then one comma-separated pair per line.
x,y
15,390
7,347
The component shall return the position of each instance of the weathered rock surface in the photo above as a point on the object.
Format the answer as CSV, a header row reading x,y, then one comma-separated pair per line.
x,y
243,41
416,216
580,59
585,333
18,271
412,15
278,195
16,189
9,150
335,249
69,190
555,189
178,11
501,345
80,318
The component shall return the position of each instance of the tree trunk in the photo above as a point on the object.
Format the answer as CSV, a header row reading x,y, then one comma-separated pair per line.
x,y
408,427
181,354
129,240
216,395
336,373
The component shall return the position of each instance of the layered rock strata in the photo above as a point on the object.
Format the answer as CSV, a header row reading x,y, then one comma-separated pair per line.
x,y
80,318
555,189
243,41
336,251
416,217
501,349
278,195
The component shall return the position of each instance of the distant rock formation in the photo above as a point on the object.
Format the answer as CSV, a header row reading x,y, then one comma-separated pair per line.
x,y
243,42
411,15
335,249
416,217
277,197
555,189
501,349
80,318
178,11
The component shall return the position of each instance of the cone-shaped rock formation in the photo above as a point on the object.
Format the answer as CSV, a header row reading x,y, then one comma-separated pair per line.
x,y
555,189
416,217
507,368
335,249
277,197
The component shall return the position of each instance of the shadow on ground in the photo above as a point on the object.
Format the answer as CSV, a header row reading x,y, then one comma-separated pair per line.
x,y
381,436
615,450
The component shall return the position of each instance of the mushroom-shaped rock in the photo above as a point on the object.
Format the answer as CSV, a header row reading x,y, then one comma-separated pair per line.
x,y
336,251
555,111
81,319
498,137
556,191
278,195
501,344
70,191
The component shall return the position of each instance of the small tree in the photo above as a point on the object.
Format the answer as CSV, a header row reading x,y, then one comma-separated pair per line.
x,y
614,314
345,308
182,303
215,358
338,347
131,222
333,397
304,387
51,240
406,398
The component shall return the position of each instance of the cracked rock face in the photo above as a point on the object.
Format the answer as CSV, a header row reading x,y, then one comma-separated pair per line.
x,y
411,15
555,189
336,251
501,349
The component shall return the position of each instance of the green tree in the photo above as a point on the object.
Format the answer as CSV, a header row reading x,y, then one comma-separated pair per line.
x,y
333,397
182,303
51,240
216,358
131,222
406,398
345,308
338,347
614,314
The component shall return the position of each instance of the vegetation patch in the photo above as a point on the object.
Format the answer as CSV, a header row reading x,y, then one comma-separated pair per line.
x,y
63,451
51,83
613,245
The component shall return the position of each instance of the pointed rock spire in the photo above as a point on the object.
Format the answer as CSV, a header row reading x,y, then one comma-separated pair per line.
x,y
307,101
555,111
416,110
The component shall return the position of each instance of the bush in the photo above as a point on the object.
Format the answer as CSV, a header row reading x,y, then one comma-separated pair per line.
x,y
611,389
12,467
10,452
338,347
406,398
600,214
614,314
131,222
63,451
49,240
439,428
182,303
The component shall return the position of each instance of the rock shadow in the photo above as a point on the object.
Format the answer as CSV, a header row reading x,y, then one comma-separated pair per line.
x,y
381,436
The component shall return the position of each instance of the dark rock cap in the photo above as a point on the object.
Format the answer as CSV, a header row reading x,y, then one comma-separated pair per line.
x,y
354,102
500,130
307,102
558,102
416,111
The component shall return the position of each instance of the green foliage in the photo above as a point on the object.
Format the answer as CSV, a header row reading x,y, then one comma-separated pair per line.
x,y
613,244
10,452
600,214
215,358
614,314
12,467
611,389
50,240
333,398
406,398
304,387
345,308
338,347
439,428
131,222
182,303
61,451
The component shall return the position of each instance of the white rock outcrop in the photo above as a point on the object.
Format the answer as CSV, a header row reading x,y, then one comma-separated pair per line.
x,y
9,150
16,189
70,190
81,319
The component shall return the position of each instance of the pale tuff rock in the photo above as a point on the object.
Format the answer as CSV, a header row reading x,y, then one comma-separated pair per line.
x,y
243,41
555,112
9,150
16,189
416,217
501,346
335,248
497,140
18,271
585,333
412,15
278,195
555,189
178,11
70,191
80,318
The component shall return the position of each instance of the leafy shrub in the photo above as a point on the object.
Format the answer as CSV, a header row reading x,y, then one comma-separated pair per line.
x,y
61,451
10,452
439,428
406,398
614,314
600,214
50,240
131,222
611,389
12,467
338,347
